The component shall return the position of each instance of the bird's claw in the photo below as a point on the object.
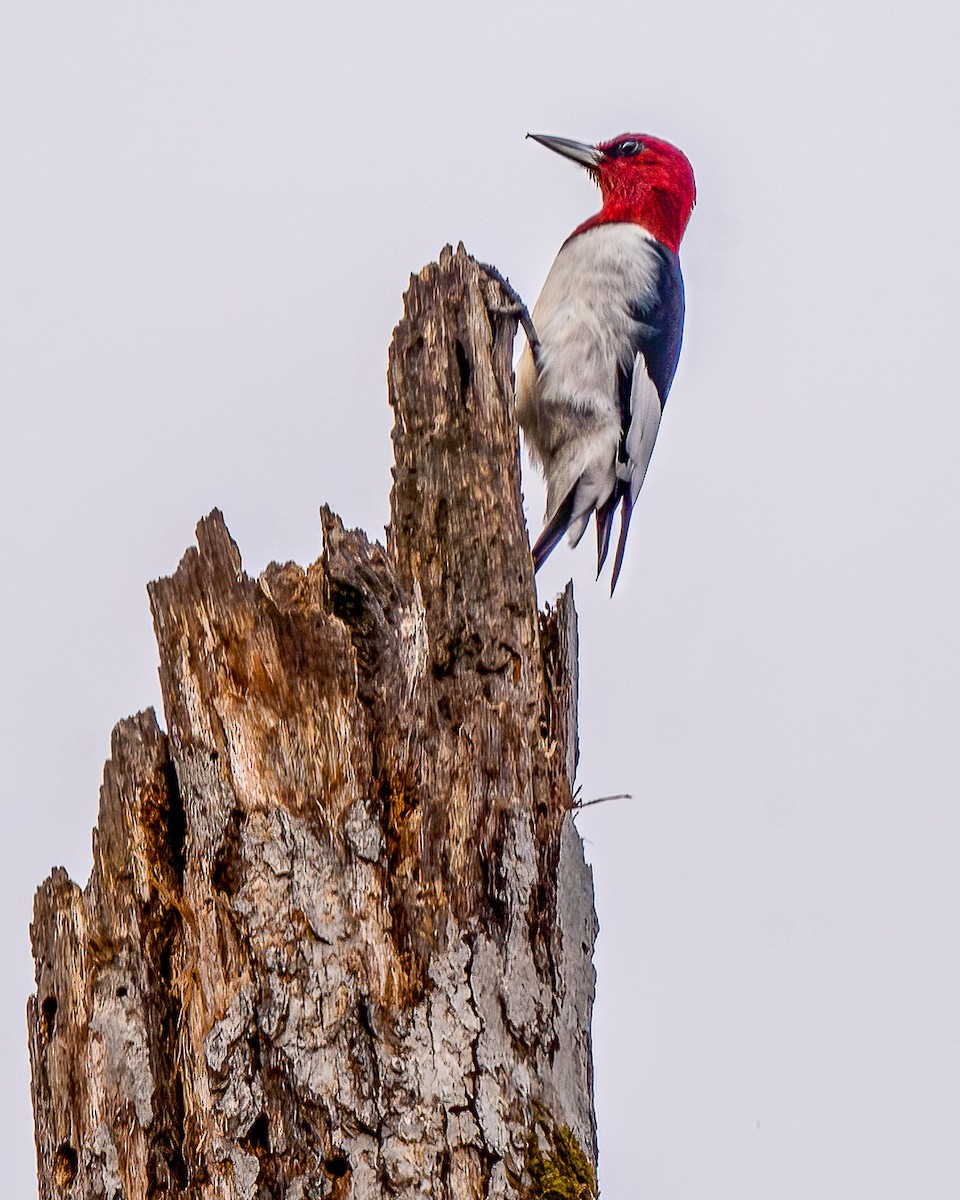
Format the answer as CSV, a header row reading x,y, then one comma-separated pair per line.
x,y
516,309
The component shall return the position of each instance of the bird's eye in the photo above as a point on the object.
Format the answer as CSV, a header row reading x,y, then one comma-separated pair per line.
x,y
630,147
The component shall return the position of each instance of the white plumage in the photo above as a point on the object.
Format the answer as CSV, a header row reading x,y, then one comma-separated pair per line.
x,y
587,323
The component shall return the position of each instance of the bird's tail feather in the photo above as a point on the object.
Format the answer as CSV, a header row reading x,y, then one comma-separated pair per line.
x,y
626,512
605,525
554,529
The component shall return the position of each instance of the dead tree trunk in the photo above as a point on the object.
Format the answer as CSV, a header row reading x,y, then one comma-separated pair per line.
x,y
337,938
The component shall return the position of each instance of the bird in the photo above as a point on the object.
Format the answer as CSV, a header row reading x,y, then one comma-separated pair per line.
x,y
605,339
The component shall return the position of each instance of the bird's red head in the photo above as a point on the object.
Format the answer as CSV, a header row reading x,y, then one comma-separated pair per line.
x,y
642,179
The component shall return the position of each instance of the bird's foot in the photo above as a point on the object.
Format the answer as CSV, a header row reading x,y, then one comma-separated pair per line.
x,y
516,308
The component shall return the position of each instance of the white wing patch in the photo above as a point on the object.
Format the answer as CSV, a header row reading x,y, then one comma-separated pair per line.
x,y
645,413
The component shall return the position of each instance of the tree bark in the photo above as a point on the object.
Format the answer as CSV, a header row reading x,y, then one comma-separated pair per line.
x,y
337,940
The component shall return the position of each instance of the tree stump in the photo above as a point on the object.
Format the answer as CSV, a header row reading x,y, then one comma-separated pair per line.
x,y
337,940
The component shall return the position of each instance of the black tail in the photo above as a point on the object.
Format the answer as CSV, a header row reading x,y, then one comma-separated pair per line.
x,y
554,530
556,527
605,524
626,512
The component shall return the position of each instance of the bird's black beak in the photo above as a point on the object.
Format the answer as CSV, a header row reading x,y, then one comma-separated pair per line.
x,y
580,152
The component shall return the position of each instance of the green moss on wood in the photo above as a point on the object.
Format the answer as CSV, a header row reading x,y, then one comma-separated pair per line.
x,y
563,1173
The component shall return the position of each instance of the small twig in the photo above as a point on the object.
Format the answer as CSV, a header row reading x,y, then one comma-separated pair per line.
x,y
602,800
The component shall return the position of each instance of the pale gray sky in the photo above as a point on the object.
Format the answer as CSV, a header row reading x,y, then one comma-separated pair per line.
x,y
207,218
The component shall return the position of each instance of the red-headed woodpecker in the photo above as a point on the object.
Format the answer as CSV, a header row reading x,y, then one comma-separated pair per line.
x,y
592,384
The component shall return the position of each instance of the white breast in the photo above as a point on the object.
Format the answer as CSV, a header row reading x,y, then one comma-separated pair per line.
x,y
585,321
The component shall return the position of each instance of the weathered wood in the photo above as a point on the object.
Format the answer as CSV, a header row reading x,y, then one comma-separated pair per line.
x,y
337,939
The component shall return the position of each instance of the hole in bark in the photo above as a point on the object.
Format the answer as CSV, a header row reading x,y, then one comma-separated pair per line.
x,y
227,873
492,873
176,819
64,1166
121,992
253,1043
214,756
257,1139
463,366
337,1165
349,603
48,1017
366,1024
